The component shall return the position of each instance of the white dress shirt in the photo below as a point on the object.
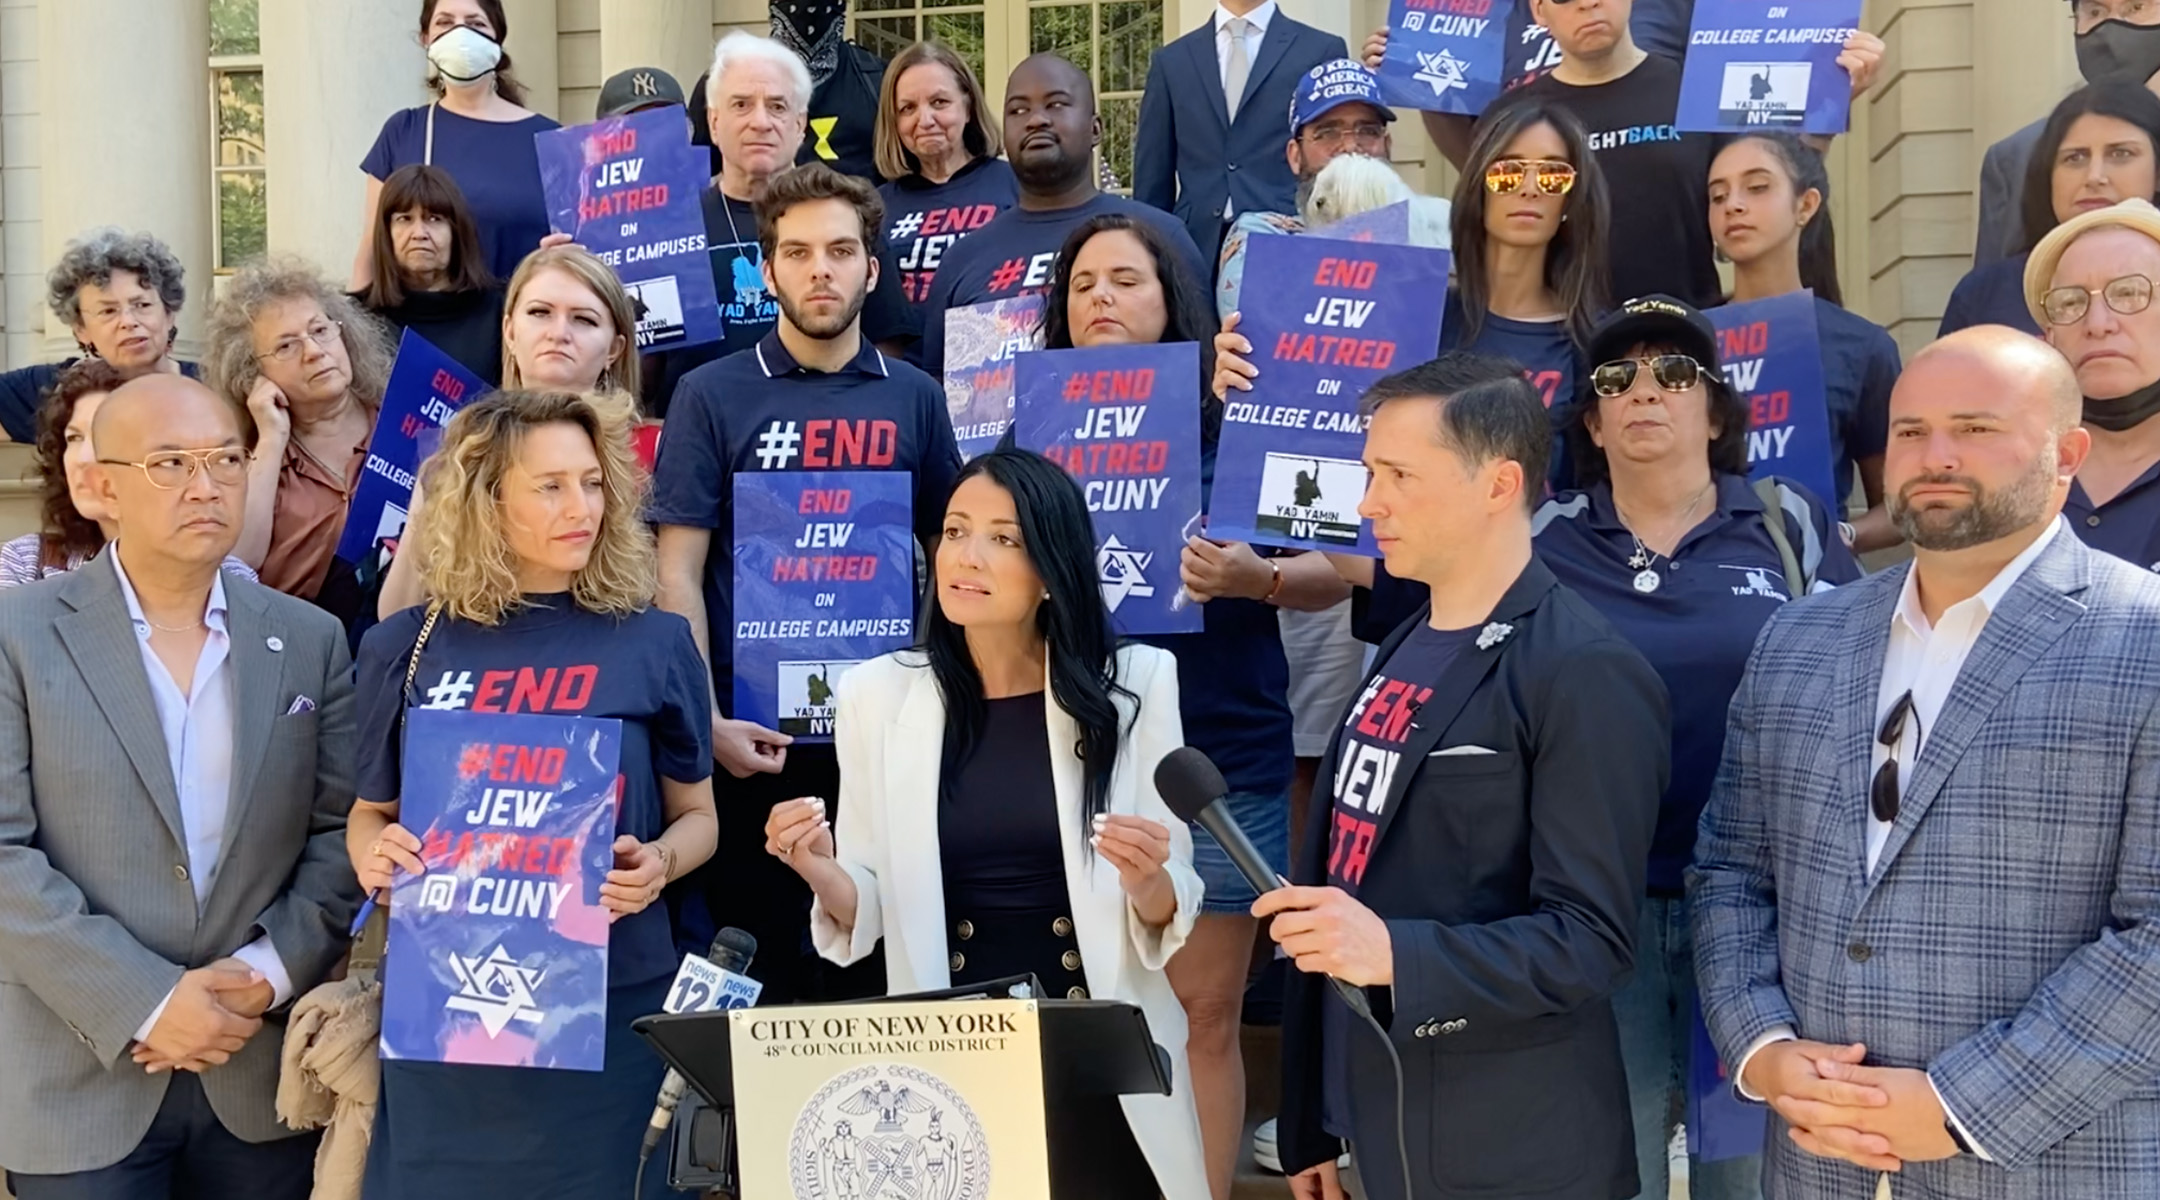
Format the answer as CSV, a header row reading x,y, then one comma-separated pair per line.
x,y
1257,30
1924,658
198,728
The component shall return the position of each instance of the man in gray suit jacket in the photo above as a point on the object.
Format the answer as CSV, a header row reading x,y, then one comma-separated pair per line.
x,y
176,763
1927,892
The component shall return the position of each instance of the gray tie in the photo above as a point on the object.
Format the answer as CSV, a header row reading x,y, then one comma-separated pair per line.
x,y
1233,84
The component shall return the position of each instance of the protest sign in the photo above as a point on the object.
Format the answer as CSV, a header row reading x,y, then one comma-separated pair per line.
x,y
498,954
980,342
425,389
1768,64
1720,1125
1388,225
824,579
1125,422
1446,56
1326,318
629,190
1773,358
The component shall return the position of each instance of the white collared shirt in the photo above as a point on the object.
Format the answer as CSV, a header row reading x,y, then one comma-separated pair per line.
x,y
1259,18
1925,659
198,728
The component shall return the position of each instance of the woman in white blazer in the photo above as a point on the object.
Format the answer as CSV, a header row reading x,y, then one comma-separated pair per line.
x,y
997,792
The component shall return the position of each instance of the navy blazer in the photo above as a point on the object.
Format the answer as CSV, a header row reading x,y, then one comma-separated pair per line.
x,y
1189,156
1511,882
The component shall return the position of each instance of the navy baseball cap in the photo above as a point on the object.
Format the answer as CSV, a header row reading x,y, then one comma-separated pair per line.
x,y
1331,85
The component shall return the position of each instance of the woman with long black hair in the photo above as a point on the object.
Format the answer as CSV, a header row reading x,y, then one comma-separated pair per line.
x,y
996,788
1118,281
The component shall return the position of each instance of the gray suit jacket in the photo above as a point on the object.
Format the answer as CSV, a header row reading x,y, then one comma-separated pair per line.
x,y
2002,185
2008,938
97,916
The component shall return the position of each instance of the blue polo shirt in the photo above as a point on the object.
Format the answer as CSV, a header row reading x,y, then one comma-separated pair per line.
x,y
2127,526
1990,295
1234,682
1696,629
1014,254
760,410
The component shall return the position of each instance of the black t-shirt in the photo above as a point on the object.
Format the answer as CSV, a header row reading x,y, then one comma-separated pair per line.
x,y
556,658
760,411
467,326
842,130
1658,178
22,393
1013,255
747,310
924,221
998,837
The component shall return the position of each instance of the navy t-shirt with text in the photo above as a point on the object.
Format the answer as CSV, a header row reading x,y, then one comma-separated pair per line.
x,y
1860,365
554,658
761,411
1548,357
1014,254
924,221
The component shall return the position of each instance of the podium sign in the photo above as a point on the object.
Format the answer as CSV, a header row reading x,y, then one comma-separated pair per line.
x,y
891,1101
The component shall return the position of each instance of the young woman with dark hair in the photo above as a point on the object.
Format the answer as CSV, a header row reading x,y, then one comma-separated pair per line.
x,y
426,272
475,128
988,777
1119,281
2098,147
1770,214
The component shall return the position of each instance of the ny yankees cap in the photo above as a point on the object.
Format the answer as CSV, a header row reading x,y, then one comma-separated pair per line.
x,y
1331,85
638,88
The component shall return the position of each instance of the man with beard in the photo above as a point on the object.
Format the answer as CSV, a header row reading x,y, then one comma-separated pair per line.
x,y
2089,284
1927,882
1051,131
812,395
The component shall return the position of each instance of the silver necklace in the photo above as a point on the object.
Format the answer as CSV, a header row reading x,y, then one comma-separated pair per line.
x,y
173,628
1644,560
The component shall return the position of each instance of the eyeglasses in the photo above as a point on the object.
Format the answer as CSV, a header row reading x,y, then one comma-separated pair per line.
x,y
322,333
2128,295
169,469
1363,133
1673,372
1883,793
1552,177
142,308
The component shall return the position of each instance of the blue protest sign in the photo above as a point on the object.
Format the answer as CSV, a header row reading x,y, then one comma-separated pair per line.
x,y
1445,55
1388,225
1773,358
824,579
498,954
425,389
980,343
628,189
1326,318
1720,1125
1755,64
1125,422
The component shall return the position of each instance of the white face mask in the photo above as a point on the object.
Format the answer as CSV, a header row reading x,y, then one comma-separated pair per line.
x,y
464,54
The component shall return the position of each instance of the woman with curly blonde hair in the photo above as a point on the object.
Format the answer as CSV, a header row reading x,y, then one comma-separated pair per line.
x,y
308,367
542,578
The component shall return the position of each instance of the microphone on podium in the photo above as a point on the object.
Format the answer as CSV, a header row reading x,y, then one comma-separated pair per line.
x,y
1189,783
731,952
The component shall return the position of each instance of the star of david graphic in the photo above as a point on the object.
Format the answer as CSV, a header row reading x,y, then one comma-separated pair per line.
x,y
1122,571
1442,71
494,988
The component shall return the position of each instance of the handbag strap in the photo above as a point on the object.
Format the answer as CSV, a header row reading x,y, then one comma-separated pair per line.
x,y
412,664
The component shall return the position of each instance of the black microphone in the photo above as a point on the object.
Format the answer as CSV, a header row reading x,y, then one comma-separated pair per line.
x,y
731,951
1189,783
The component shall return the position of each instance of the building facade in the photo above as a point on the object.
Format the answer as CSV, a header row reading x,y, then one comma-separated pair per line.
x,y
233,126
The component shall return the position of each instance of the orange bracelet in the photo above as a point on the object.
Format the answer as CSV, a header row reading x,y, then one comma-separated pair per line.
x,y
1277,587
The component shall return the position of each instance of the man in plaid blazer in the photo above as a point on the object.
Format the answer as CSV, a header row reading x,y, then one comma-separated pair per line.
x,y
1926,889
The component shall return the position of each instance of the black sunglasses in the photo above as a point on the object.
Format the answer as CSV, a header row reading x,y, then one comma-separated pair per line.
x,y
1673,372
1883,794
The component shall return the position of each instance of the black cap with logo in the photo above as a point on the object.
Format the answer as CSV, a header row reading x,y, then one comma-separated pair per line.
x,y
1657,320
636,90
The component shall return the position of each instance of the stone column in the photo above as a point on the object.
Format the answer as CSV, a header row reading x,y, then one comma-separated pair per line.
x,y
148,173
534,55
674,35
333,71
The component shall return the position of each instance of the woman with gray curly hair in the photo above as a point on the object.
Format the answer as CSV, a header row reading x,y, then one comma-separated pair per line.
x,y
309,367
120,292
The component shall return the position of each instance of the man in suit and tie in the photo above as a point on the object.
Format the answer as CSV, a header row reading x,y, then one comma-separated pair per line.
x,y
176,762
1209,144
1928,879
1478,873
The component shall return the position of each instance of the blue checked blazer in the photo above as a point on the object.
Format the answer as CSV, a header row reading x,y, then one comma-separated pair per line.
x,y
2006,940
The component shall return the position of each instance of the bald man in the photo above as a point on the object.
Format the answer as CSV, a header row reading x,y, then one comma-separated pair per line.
x,y
176,760
1051,131
1928,875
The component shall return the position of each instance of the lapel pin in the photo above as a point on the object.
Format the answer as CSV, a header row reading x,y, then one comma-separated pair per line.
x,y
1493,634
277,644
